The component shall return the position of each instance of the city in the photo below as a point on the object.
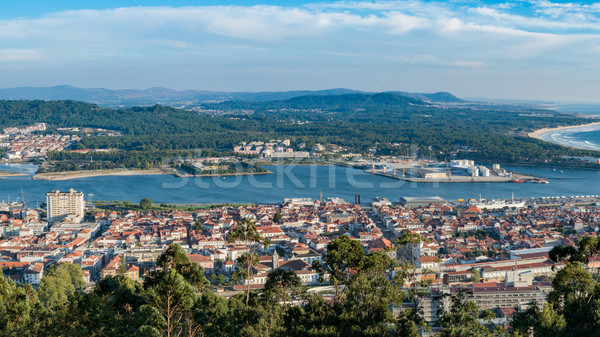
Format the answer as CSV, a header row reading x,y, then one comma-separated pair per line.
x,y
326,168
500,255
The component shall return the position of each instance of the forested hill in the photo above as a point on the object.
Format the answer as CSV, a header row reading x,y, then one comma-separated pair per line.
x,y
137,120
396,108
335,103
144,128
357,121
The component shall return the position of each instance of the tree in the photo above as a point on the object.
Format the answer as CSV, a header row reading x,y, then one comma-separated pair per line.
x,y
365,308
245,231
574,295
562,253
246,261
315,318
280,283
411,240
475,276
343,255
59,283
410,321
278,217
539,323
146,203
174,299
212,313
462,318
17,306
175,258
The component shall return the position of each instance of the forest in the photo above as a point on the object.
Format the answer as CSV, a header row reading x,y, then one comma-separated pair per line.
x,y
176,299
153,135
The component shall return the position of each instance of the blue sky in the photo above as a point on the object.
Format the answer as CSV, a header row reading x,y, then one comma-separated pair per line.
x,y
517,49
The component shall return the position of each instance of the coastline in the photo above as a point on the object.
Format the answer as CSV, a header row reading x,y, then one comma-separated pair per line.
x,y
560,136
223,174
96,173
538,133
12,174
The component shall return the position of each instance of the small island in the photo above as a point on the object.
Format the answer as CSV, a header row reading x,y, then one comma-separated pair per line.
x,y
209,169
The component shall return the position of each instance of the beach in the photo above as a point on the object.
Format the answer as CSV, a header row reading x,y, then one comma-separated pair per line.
x,y
538,133
96,173
561,135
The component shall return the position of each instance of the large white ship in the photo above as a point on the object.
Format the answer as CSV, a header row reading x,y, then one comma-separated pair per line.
x,y
496,203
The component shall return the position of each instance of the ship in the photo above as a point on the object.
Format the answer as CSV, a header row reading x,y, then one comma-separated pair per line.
x,y
515,180
496,203
7,206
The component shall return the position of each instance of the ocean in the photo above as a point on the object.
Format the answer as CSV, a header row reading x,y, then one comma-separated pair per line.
x,y
584,138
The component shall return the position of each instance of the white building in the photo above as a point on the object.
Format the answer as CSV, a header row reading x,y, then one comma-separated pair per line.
x,y
63,204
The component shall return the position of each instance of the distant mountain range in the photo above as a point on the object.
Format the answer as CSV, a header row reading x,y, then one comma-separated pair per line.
x,y
186,98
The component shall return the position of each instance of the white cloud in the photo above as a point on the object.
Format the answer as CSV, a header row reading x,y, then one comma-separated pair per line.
x,y
21,55
469,64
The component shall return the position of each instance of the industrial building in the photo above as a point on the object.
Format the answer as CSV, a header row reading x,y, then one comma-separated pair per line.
x,y
411,202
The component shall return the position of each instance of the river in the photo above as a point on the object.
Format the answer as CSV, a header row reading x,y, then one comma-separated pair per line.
x,y
300,181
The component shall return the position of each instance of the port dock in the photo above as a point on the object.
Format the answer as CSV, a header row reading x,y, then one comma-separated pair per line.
x,y
457,179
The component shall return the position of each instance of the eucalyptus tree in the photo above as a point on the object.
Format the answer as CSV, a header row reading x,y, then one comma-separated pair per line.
x,y
344,255
246,232
411,240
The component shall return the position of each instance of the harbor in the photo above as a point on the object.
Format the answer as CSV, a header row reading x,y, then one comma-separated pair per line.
x,y
455,171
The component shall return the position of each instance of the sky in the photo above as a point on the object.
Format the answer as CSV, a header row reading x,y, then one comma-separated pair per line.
x,y
535,50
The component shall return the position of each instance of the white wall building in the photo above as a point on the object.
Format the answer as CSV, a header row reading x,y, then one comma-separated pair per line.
x,y
62,204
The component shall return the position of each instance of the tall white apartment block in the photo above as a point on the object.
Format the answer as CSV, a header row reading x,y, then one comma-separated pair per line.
x,y
61,205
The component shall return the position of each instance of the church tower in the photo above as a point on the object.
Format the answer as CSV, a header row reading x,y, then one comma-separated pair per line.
x,y
275,260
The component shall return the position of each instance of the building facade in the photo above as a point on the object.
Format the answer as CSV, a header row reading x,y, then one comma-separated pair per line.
x,y
61,205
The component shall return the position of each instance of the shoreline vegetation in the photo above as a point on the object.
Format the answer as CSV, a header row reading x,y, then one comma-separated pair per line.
x,y
222,174
537,134
11,174
68,175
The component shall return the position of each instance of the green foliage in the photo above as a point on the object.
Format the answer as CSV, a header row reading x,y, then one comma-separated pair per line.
x,y
17,306
174,298
146,203
59,283
157,135
174,301
343,254
175,258
462,319
315,318
225,169
546,322
246,231
280,283
278,217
